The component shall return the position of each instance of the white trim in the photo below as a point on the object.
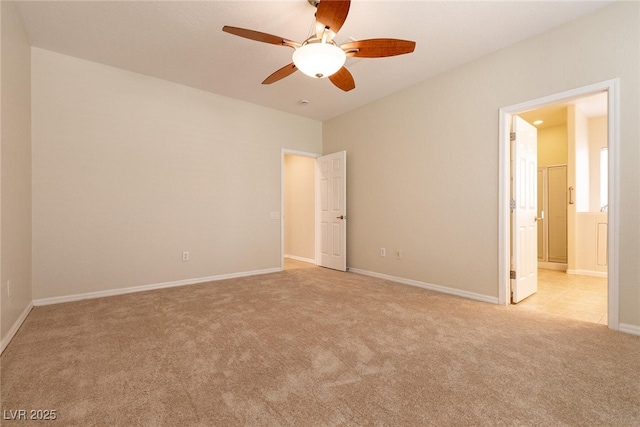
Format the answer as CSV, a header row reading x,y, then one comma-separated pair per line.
x,y
429,286
629,329
316,216
558,266
16,326
613,122
613,217
299,258
143,288
504,207
300,153
284,152
590,273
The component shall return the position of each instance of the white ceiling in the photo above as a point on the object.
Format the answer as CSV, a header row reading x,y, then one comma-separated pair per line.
x,y
183,42
556,114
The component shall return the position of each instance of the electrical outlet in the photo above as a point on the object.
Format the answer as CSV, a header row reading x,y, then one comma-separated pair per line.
x,y
398,254
383,252
185,256
9,288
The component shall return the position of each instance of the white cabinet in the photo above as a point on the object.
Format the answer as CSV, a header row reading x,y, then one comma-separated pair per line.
x,y
591,243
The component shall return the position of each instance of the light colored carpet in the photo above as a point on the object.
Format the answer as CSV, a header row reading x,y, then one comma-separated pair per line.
x,y
314,347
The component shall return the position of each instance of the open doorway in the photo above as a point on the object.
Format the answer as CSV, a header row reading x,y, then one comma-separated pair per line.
x,y
298,210
314,208
610,91
572,212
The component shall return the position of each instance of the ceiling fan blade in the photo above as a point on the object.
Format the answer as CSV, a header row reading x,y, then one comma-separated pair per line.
x,y
280,74
378,48
343,79
332,14
258,36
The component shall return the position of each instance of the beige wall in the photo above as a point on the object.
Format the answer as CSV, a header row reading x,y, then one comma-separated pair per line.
x,y
423,162
15,167
552,146
578,180
597,141
129,171
579,139
299,197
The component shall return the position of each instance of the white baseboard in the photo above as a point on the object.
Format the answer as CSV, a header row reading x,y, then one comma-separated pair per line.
x,y
113,292
552,266
437,288
299,258
629,329
622,327
14,329
591,273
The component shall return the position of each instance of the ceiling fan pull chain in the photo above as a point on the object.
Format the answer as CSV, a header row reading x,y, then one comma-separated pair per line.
x,y
312,28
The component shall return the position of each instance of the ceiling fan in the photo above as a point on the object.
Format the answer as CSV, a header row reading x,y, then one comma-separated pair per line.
x,y
319,56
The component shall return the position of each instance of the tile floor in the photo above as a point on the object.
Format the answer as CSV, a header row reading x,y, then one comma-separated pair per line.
x,y
292,264
569,295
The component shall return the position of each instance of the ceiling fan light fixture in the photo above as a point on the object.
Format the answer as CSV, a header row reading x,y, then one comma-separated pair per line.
x,y
319,60
319,56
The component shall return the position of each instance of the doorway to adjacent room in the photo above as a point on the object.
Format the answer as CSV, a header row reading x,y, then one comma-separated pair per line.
x,y
581,216
571,136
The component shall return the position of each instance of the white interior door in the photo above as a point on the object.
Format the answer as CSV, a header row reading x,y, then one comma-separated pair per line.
x,y
331,217
524,232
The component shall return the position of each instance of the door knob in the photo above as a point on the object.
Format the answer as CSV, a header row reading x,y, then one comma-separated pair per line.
x,y
341,217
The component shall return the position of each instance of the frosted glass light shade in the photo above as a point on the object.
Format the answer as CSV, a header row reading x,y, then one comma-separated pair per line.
x,y
319,59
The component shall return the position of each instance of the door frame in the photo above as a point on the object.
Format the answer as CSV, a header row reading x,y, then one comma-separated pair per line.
x,y
284,152
612,87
